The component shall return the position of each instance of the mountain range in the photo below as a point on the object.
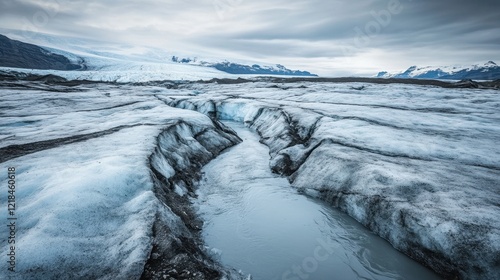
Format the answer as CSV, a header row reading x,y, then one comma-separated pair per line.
x,y
119,63
237,68
488,71
77,59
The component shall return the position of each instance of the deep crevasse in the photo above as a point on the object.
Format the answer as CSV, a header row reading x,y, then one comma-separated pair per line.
x,y
423,199
254,221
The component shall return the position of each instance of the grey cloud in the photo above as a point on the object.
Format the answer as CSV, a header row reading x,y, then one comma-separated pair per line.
x,y
425,31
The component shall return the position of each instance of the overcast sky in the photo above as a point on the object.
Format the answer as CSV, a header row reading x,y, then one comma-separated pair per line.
x,y
335,37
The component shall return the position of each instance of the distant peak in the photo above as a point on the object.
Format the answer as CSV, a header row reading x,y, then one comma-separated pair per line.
x,y
487,71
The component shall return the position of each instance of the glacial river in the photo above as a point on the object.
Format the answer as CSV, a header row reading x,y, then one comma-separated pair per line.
x,y
255,222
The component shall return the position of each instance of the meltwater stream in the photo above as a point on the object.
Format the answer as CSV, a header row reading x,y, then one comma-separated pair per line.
x,y
258,224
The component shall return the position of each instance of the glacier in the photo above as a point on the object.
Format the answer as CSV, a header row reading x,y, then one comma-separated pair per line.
x,y
107,171
83,59
94,165
254,221
418,165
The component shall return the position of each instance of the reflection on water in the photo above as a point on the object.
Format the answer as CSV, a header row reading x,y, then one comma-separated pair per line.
x,y
259,224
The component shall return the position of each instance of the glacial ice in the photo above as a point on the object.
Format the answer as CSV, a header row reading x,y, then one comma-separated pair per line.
x,y
86,200
257,223
418,165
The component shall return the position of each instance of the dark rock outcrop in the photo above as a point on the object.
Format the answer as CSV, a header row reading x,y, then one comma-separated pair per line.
x,y
17,54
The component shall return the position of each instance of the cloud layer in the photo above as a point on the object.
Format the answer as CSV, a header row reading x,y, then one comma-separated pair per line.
x,y
332,37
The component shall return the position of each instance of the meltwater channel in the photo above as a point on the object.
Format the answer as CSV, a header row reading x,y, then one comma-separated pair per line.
x,y
255,222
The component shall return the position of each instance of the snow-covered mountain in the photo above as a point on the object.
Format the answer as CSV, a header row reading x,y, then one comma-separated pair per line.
x,y
115,62
238,68
487,71
21,55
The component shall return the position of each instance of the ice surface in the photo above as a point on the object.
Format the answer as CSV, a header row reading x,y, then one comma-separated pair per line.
x,y
419,165
86,202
